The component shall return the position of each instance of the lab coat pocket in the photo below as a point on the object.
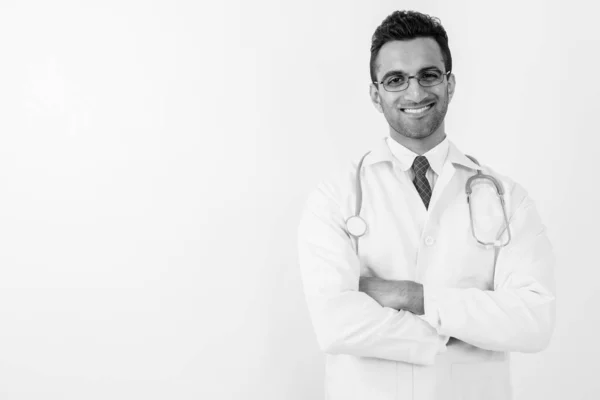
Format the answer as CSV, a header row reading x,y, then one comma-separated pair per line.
x,y
467,263
477,381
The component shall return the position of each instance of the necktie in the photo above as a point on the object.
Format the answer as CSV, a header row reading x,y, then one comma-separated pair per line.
x,y
420,167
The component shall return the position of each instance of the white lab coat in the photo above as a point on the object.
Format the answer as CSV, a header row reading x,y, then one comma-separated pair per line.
x,y
480,303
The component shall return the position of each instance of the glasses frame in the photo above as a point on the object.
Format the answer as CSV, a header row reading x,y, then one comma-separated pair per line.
x,y
447,74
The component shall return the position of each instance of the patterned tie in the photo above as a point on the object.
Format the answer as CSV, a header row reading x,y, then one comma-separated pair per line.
x,y
420,167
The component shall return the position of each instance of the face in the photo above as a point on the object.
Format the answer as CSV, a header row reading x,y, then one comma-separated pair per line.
x,y
416,112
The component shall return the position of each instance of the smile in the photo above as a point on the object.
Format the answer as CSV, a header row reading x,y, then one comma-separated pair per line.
x,y
417,111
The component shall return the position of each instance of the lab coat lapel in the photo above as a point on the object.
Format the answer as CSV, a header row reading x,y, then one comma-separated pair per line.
x,y
444,179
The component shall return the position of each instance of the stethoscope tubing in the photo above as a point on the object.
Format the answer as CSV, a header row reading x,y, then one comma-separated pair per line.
x,y
356,226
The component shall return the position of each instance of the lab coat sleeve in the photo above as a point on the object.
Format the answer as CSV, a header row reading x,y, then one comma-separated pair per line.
x,y
519,314
345,320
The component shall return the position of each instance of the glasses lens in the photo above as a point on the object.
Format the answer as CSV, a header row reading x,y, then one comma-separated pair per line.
x,y
395,83
430,78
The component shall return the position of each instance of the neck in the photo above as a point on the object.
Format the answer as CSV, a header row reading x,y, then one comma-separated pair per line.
x,y
420,146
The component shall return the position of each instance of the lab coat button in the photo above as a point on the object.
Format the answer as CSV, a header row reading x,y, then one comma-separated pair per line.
x,y
429,241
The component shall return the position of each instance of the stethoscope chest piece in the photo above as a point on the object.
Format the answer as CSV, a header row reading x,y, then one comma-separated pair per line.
x,y
356,226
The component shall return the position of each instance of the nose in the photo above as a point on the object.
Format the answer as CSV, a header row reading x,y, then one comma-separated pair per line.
x,y
414,92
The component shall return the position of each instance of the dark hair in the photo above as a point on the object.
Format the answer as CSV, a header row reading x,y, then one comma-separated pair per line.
x,y
406,25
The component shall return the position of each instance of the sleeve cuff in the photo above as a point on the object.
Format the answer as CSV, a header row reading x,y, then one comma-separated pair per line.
x,y
430,303
432,316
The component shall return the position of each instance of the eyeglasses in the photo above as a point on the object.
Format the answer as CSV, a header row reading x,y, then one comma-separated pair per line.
x,y
399,82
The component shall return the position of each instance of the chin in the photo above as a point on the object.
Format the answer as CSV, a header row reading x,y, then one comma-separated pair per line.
x,y
421,135
414,135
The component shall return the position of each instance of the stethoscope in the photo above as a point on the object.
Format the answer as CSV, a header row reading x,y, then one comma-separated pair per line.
x,y
357,227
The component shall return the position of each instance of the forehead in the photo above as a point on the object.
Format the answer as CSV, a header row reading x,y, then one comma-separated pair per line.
x,y
409,56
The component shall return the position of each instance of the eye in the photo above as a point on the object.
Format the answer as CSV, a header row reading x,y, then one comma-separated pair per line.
x,y
395,80
430,76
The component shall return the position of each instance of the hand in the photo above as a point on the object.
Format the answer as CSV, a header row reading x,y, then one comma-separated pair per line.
x,y
412,294
399,295
382,291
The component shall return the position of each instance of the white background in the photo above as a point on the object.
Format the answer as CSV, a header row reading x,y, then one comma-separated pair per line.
x,y
155,156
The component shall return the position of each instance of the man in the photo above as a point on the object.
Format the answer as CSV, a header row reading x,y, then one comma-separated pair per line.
x,y
423,305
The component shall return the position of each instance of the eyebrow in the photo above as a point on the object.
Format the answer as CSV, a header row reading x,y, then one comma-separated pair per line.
x,y
400,72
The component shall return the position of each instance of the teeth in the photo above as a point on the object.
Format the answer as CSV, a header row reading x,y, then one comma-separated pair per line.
x,y
416,110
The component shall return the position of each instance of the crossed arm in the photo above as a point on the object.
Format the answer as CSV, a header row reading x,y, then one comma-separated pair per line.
x,y
399,295
372,317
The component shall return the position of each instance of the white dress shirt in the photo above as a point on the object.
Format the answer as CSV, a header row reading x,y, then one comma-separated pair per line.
x,y
405,158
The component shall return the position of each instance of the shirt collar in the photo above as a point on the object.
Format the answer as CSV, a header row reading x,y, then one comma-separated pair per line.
x,y
389,150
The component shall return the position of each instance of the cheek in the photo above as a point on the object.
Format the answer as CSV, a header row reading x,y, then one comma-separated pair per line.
x,y
442,95
390,102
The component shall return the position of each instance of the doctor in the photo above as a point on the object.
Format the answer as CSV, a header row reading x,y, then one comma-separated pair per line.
x,y
416,308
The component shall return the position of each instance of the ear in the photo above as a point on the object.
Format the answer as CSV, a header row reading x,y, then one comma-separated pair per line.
x,y
375,98
451,86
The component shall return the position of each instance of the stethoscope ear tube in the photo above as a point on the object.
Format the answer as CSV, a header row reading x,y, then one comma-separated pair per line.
x,y
500,193
480,175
